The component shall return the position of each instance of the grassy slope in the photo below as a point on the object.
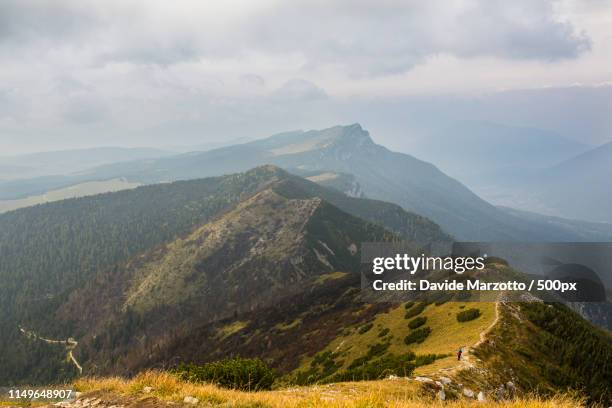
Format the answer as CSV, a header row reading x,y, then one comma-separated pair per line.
x,y
446,337
385,393
78,190
561,352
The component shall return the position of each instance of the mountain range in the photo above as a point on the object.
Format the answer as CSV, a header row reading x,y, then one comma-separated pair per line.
x,y
524,168
498,154
578,187
346,158
51,253
63,162
258,264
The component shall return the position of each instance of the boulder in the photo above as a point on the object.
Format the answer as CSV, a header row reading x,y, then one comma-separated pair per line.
x,y
445,380
190,400
500,393
511,389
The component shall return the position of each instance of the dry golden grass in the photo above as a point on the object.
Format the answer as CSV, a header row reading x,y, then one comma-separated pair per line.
x,y
385,393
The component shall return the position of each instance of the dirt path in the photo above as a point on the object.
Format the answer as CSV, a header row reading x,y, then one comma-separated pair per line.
x,y
466,360
70,344
466,356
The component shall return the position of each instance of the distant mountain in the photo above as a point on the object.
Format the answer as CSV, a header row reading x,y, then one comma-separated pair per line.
x,y
485,155
378,173
64,162
202,147
580,187
9,171
577,188
583,230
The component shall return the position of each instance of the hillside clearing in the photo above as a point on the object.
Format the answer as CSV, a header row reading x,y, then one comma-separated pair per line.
x,y
78,190
447,336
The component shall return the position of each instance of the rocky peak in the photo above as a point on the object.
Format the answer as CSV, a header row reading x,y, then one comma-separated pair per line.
x,y
352,135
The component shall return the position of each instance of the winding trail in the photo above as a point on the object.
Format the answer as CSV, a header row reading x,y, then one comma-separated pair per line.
x,y
466,361
70,344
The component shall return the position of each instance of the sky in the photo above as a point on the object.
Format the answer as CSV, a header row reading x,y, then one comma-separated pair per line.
x,y
78,73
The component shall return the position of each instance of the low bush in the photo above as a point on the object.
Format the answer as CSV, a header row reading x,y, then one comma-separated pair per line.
x,y
365,328
402,365
374,350
415,310
383,332
322,365
235,373
425,359
417,322
443,298
418,335
467,315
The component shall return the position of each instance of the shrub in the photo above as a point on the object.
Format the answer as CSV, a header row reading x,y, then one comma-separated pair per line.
x,y
322,358
374,365
408,305
365,328
415,310
322,365
495,260
417,322
443,298
467,315
402,365
425,359
418,335
383,332
236,373
463,296
374,350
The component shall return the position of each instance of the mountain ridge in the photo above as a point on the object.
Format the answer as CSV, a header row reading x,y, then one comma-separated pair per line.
x,y
381,174
258,264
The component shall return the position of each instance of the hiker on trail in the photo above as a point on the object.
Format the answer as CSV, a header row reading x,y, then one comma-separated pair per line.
x,y
459,354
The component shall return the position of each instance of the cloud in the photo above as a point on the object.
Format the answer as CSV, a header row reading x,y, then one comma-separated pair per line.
x,y
299,90
252,80
27,19
71,68
359,37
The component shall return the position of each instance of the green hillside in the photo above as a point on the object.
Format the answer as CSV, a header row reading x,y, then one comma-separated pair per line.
x,y
50,251
262,265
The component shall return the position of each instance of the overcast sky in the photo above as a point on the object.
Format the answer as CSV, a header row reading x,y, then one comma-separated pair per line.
x,y
77,73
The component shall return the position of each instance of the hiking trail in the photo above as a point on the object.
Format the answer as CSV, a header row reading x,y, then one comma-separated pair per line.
x,y
466,360
70,344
